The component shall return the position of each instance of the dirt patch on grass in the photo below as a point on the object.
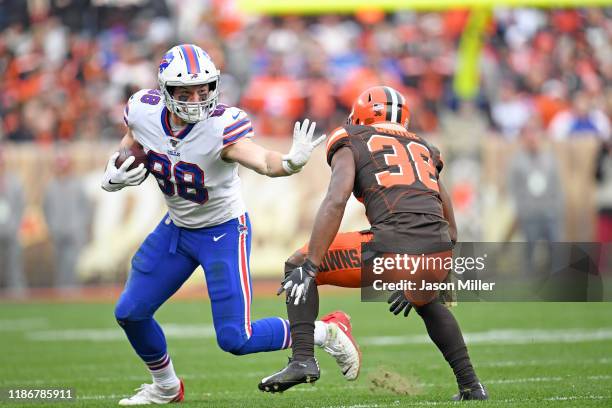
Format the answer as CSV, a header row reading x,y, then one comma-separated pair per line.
x,y
385,380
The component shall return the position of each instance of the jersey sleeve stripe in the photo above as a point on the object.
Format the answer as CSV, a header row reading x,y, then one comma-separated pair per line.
x,y
126,112
337,135
235,138
237,130
239,123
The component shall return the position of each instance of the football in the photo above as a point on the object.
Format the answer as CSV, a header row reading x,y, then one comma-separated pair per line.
x,y
135,150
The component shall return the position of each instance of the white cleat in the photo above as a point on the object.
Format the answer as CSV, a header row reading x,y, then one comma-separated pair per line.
x,y
152,394
341,345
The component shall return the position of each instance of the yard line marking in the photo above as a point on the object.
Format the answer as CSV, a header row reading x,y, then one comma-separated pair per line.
x,y
176,331
531,380
28,323
452,403
519,363
509,336
570,398
527,380
599,377
545,379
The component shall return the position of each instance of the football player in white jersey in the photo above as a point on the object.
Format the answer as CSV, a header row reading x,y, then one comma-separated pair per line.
x,y
194,146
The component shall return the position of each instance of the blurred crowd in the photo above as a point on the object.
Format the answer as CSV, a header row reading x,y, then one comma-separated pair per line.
x,y
67,67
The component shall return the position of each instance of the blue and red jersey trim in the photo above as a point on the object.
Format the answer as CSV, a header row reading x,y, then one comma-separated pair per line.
x,y
237,130
165,121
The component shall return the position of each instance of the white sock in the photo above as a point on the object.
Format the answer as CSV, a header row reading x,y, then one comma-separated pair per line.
x,y
165,377
320,333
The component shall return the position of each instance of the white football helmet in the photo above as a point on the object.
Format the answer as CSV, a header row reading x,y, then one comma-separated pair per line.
x,y
185,65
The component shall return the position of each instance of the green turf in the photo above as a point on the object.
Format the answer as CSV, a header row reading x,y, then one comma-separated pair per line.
x,y
554,373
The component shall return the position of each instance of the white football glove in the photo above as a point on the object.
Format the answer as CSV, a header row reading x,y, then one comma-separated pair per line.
x,y
302,147
117,178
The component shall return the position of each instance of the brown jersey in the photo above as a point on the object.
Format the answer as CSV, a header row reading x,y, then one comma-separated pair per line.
x,y
396,178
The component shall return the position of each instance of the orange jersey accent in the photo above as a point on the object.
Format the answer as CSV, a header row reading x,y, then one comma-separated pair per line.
x,y
341,265
336,135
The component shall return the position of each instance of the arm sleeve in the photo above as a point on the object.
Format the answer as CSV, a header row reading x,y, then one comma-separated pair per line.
x,y
238,126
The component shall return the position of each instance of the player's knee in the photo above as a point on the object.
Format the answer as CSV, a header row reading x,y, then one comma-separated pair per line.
x,y
128,310
231,339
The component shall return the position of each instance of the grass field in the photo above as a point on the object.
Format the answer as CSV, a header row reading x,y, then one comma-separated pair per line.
x,y
527,354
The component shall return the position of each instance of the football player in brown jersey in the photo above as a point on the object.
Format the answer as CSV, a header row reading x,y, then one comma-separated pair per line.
x,y
395,174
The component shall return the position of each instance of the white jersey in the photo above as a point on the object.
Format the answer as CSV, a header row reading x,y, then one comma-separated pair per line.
x,y
200,188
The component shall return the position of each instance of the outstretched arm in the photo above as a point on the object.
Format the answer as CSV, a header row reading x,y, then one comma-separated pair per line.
x,y
328,218
271,163
298,281
256,157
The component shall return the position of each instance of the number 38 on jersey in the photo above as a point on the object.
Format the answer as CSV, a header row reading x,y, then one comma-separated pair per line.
x,y
404,156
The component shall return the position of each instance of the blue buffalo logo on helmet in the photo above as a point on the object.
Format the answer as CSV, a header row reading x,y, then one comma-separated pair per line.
x,y
166,60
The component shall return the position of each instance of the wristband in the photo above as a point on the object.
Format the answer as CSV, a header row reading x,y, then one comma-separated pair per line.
x,y
289,169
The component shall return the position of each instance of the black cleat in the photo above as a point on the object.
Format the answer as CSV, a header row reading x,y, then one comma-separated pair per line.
x,y
476,393
296,372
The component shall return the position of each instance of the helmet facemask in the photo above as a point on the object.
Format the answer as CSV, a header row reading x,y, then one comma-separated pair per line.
x,y
192,112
